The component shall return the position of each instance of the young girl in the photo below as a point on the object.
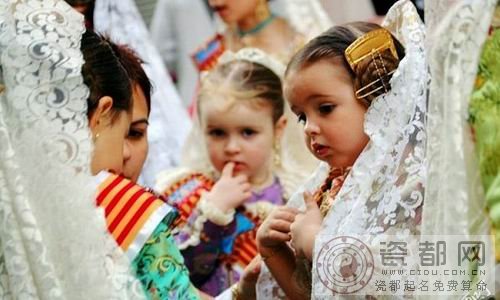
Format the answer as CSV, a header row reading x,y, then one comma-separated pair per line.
x,y
242,172
361,100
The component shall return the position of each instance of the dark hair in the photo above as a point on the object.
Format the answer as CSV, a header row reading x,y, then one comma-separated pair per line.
x,y
89,13
331,45
132,64
104,74
245,80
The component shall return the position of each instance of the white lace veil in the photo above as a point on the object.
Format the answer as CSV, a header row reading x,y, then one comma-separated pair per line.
x,y
456,37
53,241
384,192
454,181
169,123
306,16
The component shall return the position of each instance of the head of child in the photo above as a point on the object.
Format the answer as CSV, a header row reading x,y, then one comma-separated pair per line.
x,y
320,86
241,111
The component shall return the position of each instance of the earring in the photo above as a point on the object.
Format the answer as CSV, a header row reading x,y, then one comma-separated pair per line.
x,y
95,137
262,11
277,153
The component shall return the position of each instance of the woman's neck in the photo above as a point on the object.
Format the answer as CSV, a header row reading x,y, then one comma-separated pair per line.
x,y
254,23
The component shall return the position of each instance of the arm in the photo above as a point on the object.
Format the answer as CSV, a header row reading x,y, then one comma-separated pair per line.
x,y
272,238
160,267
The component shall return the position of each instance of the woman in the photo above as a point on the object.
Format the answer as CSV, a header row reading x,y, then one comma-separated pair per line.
x,y
54,244
254,25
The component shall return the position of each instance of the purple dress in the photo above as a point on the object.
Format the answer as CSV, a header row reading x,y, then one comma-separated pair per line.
x,y
207,261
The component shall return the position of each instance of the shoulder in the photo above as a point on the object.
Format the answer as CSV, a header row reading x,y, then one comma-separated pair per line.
x,y
169,182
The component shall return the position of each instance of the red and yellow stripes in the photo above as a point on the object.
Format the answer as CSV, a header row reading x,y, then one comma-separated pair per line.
x,y
127,207
245,245
186,193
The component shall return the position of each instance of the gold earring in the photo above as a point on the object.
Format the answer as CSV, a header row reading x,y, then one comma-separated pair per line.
x,y
262,11
277,153
96,136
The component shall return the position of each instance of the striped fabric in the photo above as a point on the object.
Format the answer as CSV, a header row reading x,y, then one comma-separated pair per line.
x,y
185,195
127,208
245,246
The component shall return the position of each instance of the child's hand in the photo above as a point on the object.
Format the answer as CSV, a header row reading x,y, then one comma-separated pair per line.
x,y
229,191
249,279
275,230
305,228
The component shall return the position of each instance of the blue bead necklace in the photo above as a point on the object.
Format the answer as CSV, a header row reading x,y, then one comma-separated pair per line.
x,y
257,27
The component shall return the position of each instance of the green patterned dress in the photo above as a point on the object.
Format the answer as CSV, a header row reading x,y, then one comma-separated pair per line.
x,y
160,266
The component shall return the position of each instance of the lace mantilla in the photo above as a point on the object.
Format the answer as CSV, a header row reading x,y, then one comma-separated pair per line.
x,y
53,241
384,192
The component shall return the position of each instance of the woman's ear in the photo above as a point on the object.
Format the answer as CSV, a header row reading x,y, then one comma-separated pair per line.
x,y
279,127
102,114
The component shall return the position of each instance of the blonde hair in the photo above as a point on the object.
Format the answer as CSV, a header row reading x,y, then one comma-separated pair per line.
x,y
241,80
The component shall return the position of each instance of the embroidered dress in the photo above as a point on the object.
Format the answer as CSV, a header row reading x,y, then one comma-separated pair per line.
x,y
216,254
142,224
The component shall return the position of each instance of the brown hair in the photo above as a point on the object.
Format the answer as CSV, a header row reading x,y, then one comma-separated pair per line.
x,y
104,74
244,80
331,45
132,64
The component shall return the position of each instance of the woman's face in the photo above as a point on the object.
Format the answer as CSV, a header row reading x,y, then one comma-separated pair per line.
x,y
137,138
109,131
233,11
322,97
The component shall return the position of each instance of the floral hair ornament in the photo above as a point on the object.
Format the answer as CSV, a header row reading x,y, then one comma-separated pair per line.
x,y
254,55
371,45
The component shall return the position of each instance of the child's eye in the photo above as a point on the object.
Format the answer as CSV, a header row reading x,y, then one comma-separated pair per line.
x,y
326,108
301,118
216,132
135,134
248,132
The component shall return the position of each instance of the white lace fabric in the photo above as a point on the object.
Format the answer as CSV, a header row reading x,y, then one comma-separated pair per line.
x,y
384,193
169,123
53,241
456,37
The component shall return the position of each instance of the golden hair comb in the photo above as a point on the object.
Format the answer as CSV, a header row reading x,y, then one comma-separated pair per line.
x,y
377,40
370,45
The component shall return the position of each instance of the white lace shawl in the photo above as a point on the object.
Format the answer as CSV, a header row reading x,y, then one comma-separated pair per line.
x,y
385,189
456,36
53,240
169,123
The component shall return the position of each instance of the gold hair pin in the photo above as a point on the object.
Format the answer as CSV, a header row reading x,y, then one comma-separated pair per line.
x,y
374,41
370,45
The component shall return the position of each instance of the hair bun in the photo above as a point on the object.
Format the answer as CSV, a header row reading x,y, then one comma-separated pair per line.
x,y
373,75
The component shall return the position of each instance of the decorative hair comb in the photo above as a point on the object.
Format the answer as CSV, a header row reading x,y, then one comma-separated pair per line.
x,y
370,45
254,55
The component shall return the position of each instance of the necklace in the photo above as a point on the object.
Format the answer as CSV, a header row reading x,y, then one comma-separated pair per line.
x,y
258,27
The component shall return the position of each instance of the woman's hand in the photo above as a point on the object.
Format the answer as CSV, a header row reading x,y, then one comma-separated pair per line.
x,y
305,228
274,232
229,191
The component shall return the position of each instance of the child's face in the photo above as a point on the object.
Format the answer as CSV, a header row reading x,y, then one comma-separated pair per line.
x,y
244,134
322,97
